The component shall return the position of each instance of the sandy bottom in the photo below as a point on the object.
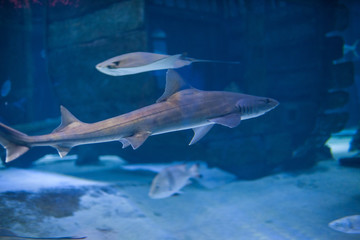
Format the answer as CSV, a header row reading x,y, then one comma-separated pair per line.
x,y
105,202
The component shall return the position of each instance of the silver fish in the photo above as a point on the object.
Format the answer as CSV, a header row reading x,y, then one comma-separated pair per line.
x,y
6,234
349,224
171,180
210,177
138,62
180,107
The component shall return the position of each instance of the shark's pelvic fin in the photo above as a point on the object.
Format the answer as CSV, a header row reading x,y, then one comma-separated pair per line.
x,y
174,83
124,142
231,120
135,140
200,132
66,119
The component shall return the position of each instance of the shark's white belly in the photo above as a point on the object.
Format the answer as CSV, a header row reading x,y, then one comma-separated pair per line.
x,y
183,127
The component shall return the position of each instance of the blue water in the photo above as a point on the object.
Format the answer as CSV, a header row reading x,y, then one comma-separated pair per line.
x,y
296,52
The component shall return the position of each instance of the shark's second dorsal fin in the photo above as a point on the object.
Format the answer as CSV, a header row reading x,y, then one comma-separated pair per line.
x,y
174,83
66,119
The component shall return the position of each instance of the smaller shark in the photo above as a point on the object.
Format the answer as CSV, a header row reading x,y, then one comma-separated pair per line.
x,y
350,53
138,62
351,48
180,107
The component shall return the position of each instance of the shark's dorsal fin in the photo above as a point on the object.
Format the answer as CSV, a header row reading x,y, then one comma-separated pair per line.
x,y
174,83
200,132
66,119
231,120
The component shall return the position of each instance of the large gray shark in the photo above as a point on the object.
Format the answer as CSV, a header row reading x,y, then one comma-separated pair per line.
x,y
138,62
180,107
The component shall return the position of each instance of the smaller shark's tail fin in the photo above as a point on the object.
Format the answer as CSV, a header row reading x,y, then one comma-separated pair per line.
x,y
13,141
184,57
355,45
213,61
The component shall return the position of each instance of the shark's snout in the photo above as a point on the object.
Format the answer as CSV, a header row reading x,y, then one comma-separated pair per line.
x,y
272,103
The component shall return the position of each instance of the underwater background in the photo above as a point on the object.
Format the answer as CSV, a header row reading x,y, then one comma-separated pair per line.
x,y
303,53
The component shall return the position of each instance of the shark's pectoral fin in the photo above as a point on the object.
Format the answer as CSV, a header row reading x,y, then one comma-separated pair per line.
x,y
62,150
66,119
200,132
174,83
136,140
231,120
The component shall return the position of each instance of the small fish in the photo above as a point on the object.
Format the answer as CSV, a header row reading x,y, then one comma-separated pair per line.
x,y
351,48
138,62
210,177
349,224
6,234
171,179
6,88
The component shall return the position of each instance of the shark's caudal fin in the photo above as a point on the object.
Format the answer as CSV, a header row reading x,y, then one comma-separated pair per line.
x,y
355,48
13,141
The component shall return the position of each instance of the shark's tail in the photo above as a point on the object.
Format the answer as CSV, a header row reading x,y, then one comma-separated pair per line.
x,y
13,141
355,45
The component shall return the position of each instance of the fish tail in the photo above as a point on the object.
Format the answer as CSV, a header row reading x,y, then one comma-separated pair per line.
x,y
13,141
355,48
212,61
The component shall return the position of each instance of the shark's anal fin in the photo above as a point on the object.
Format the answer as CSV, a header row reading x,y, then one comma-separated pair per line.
x,y
200,132
135,140
174,83
62,150
66,119
231,120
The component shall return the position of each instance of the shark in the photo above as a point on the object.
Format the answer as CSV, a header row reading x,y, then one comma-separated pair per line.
x,y
180,107
138,62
